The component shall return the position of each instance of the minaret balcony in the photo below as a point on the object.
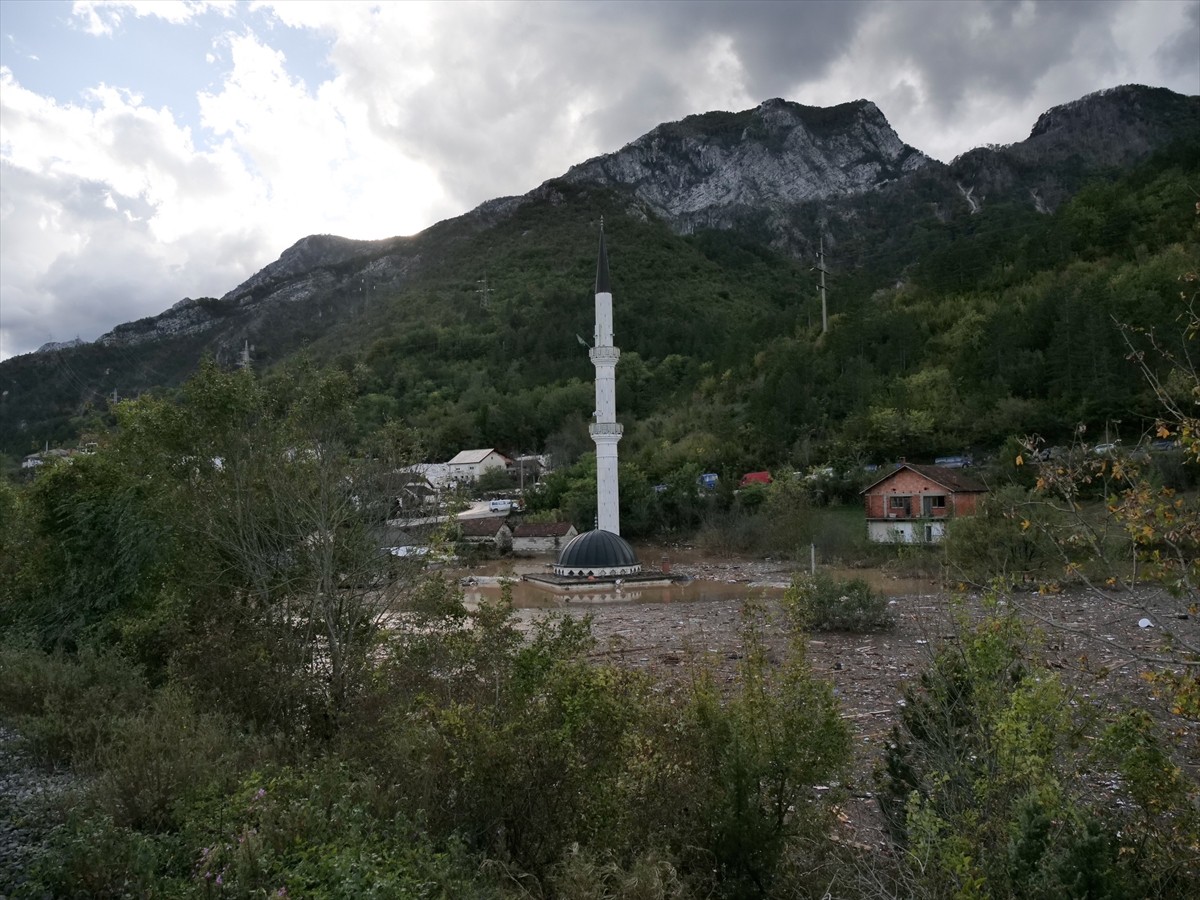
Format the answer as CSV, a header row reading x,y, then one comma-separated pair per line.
x,y
604,353
606,428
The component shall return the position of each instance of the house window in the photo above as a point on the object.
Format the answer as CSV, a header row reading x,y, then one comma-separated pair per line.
x,y
899,502
933,505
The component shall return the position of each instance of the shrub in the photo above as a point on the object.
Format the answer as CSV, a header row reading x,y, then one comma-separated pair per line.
x,y
159,757
68,708
826,604
754,760
1005,542
987,790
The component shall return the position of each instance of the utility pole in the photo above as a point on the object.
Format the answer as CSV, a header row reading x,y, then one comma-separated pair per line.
x,y
821,267
483,292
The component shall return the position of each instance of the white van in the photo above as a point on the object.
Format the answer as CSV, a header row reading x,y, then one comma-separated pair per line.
x,y
500,506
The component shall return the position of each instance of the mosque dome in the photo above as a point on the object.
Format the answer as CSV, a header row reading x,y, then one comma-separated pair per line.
x,y
597,553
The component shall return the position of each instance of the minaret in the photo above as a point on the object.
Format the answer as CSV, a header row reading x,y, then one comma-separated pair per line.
x,y
606,431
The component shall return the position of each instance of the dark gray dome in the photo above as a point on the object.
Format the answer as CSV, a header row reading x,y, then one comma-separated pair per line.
x,y
597,550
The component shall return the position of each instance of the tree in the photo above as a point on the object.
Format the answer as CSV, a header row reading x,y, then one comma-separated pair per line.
x,y
283,575
1144,548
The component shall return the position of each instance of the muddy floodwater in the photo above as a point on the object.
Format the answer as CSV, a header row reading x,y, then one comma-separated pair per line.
x,y
698,580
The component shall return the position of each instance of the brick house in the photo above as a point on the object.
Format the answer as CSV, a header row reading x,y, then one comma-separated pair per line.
x,y
539,537
912,503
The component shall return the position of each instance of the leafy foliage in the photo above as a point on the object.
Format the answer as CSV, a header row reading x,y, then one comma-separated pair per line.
x,y
944,334
987,783
822,603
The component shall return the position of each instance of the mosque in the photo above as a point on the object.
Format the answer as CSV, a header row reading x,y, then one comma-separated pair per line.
x,y
602,556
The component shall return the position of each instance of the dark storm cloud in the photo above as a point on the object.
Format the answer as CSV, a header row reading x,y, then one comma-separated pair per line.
x,y
1179,55
626,66
1000,47
777,43
653,97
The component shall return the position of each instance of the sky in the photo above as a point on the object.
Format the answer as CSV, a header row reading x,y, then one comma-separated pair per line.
x,y
151,151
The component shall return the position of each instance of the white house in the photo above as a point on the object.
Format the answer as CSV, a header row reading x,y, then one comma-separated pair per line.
x,y
470,464
438,474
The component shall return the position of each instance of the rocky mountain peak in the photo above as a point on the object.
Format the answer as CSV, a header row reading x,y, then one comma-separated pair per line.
x,y
1074,141
703,170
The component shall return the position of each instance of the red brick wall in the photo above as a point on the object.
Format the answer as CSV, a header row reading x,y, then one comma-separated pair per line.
x,y
915,486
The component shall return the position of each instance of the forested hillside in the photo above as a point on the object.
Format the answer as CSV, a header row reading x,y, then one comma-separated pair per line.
x,y
1007,325
946,332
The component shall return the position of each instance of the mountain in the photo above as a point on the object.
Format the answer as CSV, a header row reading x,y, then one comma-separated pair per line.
x,y
714,223
1105,131
707,171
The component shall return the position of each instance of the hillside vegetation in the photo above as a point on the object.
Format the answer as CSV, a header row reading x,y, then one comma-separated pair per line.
x,y
1005,324
943,335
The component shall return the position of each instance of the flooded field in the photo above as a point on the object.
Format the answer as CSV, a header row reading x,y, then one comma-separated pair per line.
x,y
700,581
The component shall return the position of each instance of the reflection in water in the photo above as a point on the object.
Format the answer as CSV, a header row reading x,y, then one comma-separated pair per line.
x,y
528,595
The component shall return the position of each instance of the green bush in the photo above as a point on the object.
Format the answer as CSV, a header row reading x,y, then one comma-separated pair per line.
x,y
989,785
757,757
158,758
822,603
1006,541
91,856
68,708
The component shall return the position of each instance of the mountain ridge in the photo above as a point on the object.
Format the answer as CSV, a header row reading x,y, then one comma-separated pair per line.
x,y
719,188
716,242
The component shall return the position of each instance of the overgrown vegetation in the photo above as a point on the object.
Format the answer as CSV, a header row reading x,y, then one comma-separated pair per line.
x,y
822,603
198,619
991,785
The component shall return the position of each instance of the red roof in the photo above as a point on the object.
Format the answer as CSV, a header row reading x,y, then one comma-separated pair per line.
x,y
756,478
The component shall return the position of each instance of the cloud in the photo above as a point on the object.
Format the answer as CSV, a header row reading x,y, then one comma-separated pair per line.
x,y
115,211
102,18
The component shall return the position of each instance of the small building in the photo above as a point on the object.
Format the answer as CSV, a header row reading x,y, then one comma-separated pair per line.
x,y
542,537
33,460
529,468
910,505
597,554
488,530
437,474
470,464
413,491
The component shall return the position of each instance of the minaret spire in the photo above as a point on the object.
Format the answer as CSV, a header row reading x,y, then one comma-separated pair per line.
x,y
606,431
602,286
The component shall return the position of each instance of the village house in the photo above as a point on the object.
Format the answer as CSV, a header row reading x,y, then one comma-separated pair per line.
x,y
470,464
413,491
489,530
912,503
548,537
437,474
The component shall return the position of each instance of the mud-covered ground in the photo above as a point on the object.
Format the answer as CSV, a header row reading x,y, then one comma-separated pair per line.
x,y
1092,639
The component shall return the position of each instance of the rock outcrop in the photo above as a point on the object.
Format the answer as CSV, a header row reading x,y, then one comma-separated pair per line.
x,y
708,170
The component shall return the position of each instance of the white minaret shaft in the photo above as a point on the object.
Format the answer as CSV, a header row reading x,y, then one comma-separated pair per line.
x,y
606,431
